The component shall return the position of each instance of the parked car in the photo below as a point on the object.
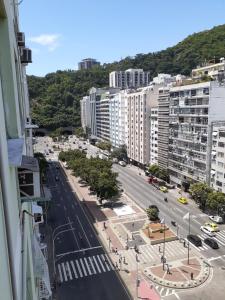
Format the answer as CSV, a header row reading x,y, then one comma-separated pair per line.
x,y
213,226
208,230
182,200
122,163
216,219
212,243
194,239
163,189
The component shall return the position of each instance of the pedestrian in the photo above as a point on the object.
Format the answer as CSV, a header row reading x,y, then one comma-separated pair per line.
x,y
136,257
162,258
116,251
168,270
124,260
116,265
192,276
159,249
184,243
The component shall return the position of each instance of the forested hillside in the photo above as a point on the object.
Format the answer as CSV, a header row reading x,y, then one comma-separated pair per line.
x,y
55,97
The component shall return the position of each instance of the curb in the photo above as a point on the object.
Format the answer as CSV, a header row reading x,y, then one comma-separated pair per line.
x,y
181,285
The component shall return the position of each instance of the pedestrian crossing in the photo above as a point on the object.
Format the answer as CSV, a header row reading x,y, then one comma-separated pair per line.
x,y
165,292
83,267
219,237
153,253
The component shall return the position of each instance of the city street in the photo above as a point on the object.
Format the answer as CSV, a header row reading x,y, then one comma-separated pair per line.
x,y
144,194
83,270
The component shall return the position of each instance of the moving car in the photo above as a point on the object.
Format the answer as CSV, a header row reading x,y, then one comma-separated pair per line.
x,y
122,163
213,226
163,189
182,200
212,243
208,230
194,239
216,219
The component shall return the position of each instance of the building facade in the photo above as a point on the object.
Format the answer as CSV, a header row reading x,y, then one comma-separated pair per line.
x,y
88,63
85,111
153,135
138,112
24,271
214,70
193,108
163,127
131,78
118,119
217,181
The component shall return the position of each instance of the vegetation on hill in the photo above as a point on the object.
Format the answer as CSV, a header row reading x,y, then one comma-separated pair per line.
x,y
55,97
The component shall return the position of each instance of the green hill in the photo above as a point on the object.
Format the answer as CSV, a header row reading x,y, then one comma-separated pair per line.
x,y
55,97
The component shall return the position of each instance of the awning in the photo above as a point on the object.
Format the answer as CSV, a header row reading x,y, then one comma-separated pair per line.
x,y
30,163
35,199
15,150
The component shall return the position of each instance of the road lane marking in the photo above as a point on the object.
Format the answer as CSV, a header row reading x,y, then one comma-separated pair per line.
x,y
83,230
92,265
64,271
60,273
196,221
99,259
74,270
99,270
69,271
88,267
79,269
73,233
83,268
76,251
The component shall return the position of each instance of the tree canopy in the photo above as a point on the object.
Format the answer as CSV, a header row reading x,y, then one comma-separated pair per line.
x,y
55,98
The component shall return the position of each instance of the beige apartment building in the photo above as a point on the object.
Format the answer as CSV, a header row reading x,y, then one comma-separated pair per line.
x,y
139,103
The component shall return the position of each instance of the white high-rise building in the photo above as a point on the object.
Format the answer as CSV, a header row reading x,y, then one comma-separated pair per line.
x,y
85,110
193,109
153,135
218,156
131,78
139,104
23,269
118,119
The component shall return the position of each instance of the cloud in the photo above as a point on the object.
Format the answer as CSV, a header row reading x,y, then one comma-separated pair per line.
x,y
51,41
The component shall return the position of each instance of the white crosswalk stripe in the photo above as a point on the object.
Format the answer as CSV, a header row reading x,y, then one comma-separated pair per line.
x,y
87,266
164,292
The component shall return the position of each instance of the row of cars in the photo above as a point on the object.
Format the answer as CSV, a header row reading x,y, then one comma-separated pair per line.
x,y
209,228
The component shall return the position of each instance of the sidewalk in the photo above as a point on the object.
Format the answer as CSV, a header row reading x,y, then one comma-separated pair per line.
x,y
117,232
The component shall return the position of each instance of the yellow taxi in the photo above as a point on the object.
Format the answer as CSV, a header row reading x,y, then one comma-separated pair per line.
x,y
214,227
182,200
163,189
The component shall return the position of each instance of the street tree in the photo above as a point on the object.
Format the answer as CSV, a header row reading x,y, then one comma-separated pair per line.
x,y
199,192
215,200
152,213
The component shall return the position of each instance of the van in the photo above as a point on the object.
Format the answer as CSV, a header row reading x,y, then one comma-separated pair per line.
x,y
194,239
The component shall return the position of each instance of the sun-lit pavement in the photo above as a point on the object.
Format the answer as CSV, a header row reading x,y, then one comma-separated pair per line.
x,y
121,234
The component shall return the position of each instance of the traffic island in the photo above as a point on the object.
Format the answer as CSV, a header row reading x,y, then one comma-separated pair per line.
x,y
154,233
179,274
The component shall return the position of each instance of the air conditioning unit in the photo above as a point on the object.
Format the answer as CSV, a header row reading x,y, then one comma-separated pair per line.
x,y
20,39
26,56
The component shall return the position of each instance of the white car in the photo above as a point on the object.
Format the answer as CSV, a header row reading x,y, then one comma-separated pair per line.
x,y
122,163
209,231
216,219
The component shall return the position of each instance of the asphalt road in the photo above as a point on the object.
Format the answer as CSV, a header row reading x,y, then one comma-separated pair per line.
x,y
82,268
144,194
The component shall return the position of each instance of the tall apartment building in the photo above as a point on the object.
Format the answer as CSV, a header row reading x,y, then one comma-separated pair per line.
x,y
85,111
99,105
138,111
118,119
153,135
163,126
88,63
131,78
193,108
24,271
217,173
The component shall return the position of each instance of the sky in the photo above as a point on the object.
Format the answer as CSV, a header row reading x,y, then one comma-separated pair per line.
x,y
63,32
